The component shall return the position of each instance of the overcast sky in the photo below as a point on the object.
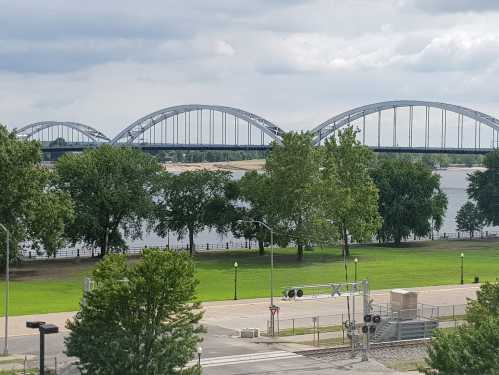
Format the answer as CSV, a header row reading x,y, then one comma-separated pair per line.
x,y
295,62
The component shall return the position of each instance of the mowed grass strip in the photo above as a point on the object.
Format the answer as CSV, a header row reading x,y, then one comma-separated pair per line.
x,y
56,286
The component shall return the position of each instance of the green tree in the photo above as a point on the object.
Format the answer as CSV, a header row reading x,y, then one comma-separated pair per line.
x,y
191,201
139,318
349,197
113,189
483,188
254,190
51,212
410,199
469,218
54,155
471,348
293,167
29,208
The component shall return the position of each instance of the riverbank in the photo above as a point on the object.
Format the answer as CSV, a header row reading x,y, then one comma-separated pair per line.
x,y
232,166
259,164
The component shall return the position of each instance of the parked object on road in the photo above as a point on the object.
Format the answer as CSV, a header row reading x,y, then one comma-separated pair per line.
x,y
249,333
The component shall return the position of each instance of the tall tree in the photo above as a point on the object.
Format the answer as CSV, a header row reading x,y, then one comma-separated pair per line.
x,y
484,188
29,208
469,219
410,199
113,190
191,201
471,348
349,197
293,167
254,190
138,319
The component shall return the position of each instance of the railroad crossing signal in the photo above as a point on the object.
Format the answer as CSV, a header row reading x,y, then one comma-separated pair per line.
x,y
350,290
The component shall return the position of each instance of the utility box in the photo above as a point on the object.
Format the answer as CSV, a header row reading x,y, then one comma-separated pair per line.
x,y
249,333
404,304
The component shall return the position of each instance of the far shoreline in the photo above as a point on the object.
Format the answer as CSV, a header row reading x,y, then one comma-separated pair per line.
x,y
232,166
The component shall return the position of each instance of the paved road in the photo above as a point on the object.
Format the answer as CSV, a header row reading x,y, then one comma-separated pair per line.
x,y
225,354
254,313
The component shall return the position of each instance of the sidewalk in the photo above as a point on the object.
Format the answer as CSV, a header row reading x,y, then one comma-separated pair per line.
x,y
254,313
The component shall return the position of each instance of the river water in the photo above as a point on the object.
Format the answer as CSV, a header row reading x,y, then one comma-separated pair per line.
x,y
453,183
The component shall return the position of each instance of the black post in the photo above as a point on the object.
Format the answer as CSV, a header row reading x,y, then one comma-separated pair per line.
x,y
356,261
462,268
42,353
235,281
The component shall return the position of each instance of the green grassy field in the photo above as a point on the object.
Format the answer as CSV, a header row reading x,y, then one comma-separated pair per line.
x,y
55,286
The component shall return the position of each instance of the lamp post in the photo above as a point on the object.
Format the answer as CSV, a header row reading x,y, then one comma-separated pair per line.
x,y
235,280
200,351
356,264
462,268
44,329
7,281
272,307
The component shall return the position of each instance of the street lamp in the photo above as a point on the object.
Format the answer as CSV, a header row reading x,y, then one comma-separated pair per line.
x,y
272,307
462,268
7,280
44,329
356,264
235,280
200,351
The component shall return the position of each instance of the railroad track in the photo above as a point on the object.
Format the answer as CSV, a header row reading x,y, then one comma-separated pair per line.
x,y
372,346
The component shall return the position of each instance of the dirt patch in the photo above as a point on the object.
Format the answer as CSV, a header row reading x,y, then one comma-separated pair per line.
x,y
56,269
53,269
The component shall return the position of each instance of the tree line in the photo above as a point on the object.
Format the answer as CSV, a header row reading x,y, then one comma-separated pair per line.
x,y
308,195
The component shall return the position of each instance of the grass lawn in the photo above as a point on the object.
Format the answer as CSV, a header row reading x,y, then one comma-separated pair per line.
x,y
54,286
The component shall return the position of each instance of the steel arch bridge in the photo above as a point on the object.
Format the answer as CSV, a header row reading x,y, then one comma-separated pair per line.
x,y
198,126
436,137
73,133
409,126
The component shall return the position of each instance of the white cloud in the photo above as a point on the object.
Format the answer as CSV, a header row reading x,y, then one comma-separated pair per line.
x,y
457,51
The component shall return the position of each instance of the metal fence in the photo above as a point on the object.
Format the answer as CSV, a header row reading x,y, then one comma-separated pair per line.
x,y
423,311
313,325
334,325
89,252
464,235
31,366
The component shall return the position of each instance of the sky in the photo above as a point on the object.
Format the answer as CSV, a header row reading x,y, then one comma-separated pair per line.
x,y
294,62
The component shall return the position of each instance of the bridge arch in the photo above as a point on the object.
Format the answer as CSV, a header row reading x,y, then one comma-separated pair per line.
x,y
329,127
90,134
176,126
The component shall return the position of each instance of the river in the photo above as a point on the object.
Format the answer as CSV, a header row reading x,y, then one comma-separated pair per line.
x,y
453,182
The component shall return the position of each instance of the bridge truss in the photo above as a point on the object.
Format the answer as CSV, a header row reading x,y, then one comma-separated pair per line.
x,y
391,126
73,133
424,127
197,126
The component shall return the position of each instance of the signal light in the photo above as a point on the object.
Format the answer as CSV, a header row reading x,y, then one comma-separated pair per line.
x,y
376,318
295,292
367,318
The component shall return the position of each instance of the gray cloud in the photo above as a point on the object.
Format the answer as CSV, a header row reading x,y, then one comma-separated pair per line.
x,y
296,62
450,6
